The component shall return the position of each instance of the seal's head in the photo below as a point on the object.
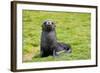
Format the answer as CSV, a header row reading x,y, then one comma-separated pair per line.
x,y
48,25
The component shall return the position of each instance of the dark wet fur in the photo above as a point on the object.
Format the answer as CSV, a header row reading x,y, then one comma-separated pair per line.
x,y
49,44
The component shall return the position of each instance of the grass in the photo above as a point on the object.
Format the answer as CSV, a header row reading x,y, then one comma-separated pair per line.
x,y
71,27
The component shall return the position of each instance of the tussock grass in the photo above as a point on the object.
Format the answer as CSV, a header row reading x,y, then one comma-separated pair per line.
x,y
71,27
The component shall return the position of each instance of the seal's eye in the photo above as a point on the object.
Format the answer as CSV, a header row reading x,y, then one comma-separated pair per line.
x,y
52,22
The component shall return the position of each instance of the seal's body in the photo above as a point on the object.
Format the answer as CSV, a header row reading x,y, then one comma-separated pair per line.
x,y
49,44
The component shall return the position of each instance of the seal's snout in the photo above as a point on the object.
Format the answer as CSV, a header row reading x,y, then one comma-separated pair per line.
x,y
48,23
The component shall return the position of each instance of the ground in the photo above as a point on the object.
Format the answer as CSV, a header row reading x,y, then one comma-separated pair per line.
x,y
71,27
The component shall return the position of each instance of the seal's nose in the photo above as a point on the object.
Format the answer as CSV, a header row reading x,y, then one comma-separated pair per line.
x,y
48,24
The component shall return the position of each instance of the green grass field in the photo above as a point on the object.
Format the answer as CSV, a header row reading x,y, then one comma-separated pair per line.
x,y
71,27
